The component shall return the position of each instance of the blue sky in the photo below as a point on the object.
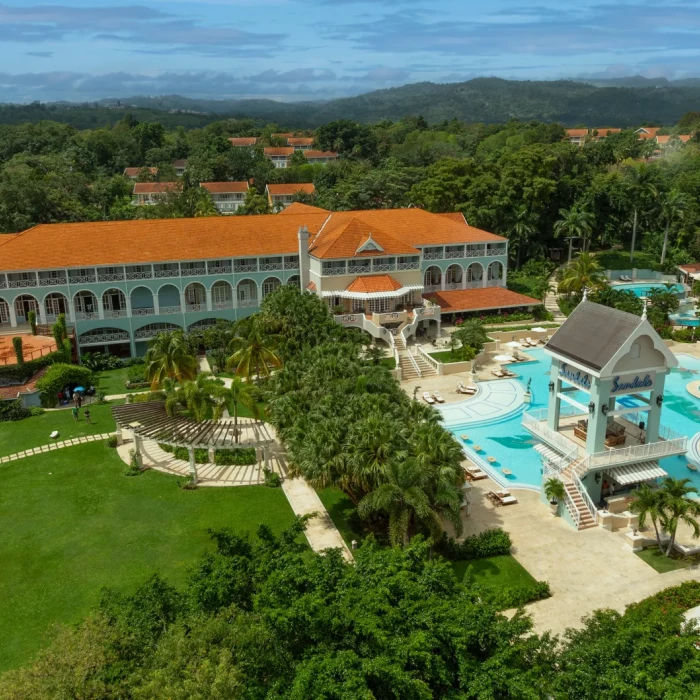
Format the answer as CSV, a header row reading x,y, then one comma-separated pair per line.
x,y
316,49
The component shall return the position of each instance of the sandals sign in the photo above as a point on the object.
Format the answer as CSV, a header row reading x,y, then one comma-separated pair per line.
x,y
632,383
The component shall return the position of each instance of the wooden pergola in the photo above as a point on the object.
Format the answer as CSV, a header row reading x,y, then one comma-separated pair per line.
x,y
149,420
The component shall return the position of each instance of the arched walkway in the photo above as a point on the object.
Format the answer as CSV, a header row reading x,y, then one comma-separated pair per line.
x,y
4,311
151,330
475,275
85,306
204,323
55,304
247,293
195,297
495,273
221,295
103,336
294,281
142,302
432,279
23,305
453,277
269,286
114,303
169,300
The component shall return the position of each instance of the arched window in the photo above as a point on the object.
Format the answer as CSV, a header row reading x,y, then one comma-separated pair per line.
x,y
23,305
475,273
55,304
195,297
141,301
247,293
4,311
85,306
495,271
114,303
453,276
294,281
432,277
222,295
269,286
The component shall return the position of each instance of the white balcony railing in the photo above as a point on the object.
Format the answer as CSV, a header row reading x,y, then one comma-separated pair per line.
x,y
16,284
291,264
223,270
110,277
147,311
493,252
222,305
247,303
350,319
408,266
84,279
359,269
453,285
454,254
433,256
637,453
194,272
265,267
432,287
474,253
329,271
195,307
139,275
101,338
52,281
536,423
86,315
253,267
475,284
494,283
160,274
383,268
3,284
115,313
167,310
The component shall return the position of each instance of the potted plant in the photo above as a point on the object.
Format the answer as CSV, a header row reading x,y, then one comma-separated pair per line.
x,y
554,490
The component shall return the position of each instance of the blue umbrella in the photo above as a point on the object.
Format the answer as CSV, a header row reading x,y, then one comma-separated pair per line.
x,y
79,388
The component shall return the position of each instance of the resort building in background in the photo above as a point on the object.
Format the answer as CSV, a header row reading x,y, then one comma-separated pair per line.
x,y
120,283
227,196
135,173
147,193
179,166
281,196
244,141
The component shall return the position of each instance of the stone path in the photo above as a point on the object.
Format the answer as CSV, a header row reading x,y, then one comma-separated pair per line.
x,y
550,301
321,532
50,447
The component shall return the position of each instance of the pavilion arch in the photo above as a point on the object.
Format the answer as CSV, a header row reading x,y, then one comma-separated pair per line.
x,y
56,303
4,311
85,304
141,298
294,281
114,303
495,270
247,293
151,330
195,296
454,275
269,285
432,277
221,295
169,299
475,272
25,303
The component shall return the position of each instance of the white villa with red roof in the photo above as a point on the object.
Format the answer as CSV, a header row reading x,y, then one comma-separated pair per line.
x,y
227,196
120,283
282,195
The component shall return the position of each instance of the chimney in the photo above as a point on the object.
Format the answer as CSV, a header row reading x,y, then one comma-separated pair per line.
x,y
304,257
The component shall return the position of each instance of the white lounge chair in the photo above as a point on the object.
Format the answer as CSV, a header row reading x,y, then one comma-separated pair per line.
x,y
438,397
498,373
503,498
428,398
476,474
531,342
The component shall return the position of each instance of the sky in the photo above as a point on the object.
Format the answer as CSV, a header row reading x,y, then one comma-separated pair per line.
x,y
319,49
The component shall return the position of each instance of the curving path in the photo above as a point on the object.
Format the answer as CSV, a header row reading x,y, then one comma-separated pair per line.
x,y
50,447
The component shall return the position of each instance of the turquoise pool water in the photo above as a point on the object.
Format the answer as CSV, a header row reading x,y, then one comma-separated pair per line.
x,y
641,290
688,318
512,446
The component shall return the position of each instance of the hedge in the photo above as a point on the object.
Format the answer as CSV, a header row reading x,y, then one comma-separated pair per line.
x,y
489,543
239,456
13,410
58,377
505,598
20,373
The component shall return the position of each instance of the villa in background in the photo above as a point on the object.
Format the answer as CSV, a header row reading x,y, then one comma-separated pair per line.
x,y
134,173
227,196
580,136
120,283
647,132
602,427
301,143
244,141
147,193
279,155
179,166
281,196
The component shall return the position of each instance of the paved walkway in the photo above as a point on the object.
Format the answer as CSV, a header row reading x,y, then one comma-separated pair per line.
x,y
321,532
495,399
550,300
54,446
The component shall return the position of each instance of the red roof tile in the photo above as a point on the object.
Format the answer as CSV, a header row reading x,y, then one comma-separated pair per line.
x,y
320,154
303,141
311,286
576,133
244,140
292,188
299,208
278,151
179,163
225,187
134,172
155,187
690,268
480,299
455,216
374,283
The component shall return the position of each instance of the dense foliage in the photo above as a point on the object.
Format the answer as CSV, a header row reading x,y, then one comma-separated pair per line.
x,y
58,377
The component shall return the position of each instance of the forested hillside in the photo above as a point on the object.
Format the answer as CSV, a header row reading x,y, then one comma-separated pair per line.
x,y
519,179
490,100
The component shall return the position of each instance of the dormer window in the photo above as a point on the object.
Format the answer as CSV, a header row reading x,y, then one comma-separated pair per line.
x,y
370,245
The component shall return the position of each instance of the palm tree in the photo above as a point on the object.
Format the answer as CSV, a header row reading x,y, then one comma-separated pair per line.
x,y
374,354
404,499
582,273
640,181
255,351
198,396
679,506
648,503
472,334
239,392
521,231
205,206
663,300
673,208
576,222
168,356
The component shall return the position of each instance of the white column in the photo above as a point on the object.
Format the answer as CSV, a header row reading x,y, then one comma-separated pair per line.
x,y
137,450
156,303
208,292
443,277
182,302
193,466
13,315
128,305
100,307
42,313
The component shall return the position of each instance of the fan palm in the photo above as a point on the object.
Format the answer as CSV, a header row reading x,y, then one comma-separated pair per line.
x,y
169,356
521,232
254,352
582,273
641,189
673,208
472,334
648,503
576,222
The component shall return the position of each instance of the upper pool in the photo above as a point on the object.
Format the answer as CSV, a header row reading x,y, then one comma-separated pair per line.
x,y
505,439
642,289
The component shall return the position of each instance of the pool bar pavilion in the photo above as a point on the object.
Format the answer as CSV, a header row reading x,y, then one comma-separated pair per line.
x,y
601,433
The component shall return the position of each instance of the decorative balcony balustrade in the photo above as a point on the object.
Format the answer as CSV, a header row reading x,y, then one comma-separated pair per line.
x,y
475,284
349,319
454,254
433,256
492,252
247,303
408,266
291,264
52,281
252,267
432,287
110,277
334,271
266,267
384,268
146,311
102,338
3,284
160,274
86,315
222,305
453,285
474,253
359,269
84,279
194,272
223,270
115,313
17,284
139,276
195,307
167,310
145,333
494,283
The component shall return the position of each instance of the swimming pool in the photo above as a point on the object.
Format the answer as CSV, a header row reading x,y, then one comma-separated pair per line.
x,y
641,289
687,318
511,445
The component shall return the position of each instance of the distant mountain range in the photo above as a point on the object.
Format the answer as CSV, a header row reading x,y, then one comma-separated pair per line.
x,y
617,102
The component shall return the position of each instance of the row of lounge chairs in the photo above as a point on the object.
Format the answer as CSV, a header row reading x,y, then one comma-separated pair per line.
x,y
475,474
625,278
501,498
470,390
501,373
435,397
529,342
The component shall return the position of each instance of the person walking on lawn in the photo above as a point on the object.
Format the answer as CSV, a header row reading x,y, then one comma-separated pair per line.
x,y
87,415
76,413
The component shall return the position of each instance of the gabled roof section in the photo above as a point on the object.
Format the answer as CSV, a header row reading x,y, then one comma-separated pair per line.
x,y
454,216
225,187
576,133
296,208
155,187
369,245
300,141
278,151
343,238
320,154
479,299
291,188
374,283
134,172
244,140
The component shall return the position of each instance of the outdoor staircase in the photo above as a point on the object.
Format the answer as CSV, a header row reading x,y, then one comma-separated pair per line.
x,y
408,371
584,514
399,343
550,301
426,369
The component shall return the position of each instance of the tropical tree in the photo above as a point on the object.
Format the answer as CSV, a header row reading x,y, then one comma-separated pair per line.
x,y
648,503
198,396
374,354
521,232
640,185
664,301
673,209
576,222
404,499
254,352
679,506
582,273
205,206
238,393
471,334
169,356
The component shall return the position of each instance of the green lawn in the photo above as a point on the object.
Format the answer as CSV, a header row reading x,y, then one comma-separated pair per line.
x,y
502,571
113,381
620,260
662,563
35,431
447,356
72,523
342,512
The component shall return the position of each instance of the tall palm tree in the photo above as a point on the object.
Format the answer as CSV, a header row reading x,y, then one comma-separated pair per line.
x,y
640,185
677,510
168,356
404,499
205,206
665,301
471,333
254,351
582,273
239,392
648,503
198,396
576,222
521,232
673,208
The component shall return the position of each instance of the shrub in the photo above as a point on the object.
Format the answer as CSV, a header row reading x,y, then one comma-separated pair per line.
x,y
131,361
36,411
13,411
31,317
272,479
20,373
489,543
134,469
19,351
59,376
136,376
540,313
685,335
111,441
238,456
504,598
101,361
201,455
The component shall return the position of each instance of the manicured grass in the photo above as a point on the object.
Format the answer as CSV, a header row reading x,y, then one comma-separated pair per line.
x,y
663,564
447,356
342,512
113,381
620,260
72,523
388,362
503,571
35,431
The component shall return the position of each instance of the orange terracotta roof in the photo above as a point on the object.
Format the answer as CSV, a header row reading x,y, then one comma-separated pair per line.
x,y
155,187
647,132
292,188
667,138
455,216
690,268
480,299
320,154
278,151
311,286
134,172
374,283
576,133
299,208
244,140
225,187
300,141
602,133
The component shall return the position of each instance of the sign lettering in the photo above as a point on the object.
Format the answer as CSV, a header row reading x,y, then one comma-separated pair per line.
x,y
632,383
575,376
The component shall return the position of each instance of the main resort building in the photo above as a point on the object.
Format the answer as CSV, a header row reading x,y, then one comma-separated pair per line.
x,y
120,283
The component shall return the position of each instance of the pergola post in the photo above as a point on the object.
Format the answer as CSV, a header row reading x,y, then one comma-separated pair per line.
x,y
137,449
193,465
212,454
266,456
